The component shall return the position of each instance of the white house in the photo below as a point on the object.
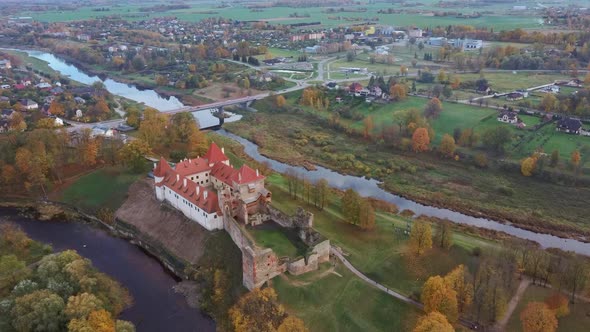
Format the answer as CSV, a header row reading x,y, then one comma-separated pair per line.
x,y
5,64
29,104
508,117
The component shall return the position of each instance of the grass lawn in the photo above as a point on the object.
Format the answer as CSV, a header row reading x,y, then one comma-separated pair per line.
x,y
277,240
34,63
381,253
508,81
577,320
339,301
106,188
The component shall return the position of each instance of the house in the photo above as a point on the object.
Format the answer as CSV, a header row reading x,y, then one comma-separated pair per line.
x,y
4,86
362,93
332,85
29,104
5,64
574,83
4,126
376,91
79,100
550,89
43,85
415,33
57,91
79,114
6,113
508,117
569,125
436,41
484,90
355,88
514,96
57,121
466,44
102,131
205,188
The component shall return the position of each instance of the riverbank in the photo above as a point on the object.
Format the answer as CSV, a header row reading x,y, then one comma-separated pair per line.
x,y
509,198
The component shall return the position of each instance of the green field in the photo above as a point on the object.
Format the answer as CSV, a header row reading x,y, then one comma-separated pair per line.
x,y
198,11
577,320
277,240
106,188
34,63
338,301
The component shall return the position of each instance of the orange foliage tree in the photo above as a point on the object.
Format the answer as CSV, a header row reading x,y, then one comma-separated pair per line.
x,y
420,140
537,317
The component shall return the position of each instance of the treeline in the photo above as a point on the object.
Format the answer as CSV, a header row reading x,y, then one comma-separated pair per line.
x,y
61,292
483,297
301,188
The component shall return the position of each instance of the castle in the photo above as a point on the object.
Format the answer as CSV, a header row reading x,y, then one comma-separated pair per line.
x,y
200,187
209,191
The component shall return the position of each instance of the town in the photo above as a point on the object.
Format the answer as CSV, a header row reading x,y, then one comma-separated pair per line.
x,y
427,160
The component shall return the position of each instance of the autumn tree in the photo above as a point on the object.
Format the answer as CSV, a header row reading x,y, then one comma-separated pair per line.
x,y
460,281
56,108
368,126
133,154
444,235
420,237
537,317
559,304
292,324
447,146
528,165
398,92
153,127
101,109
548,103
438,296
257,311
184,126
41,310
495,139
468,138
280,101
366,214
17,122
420,140
575,159
321,190
133,116
434,321
351,206
45,123
576,275
81,305
433,108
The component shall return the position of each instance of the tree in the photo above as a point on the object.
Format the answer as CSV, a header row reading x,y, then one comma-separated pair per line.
x,y
537,317
548,103
292,324
197,144
468,138
366,215
133,154
257,311
368,126
10,266
351,206
41,310
575,159
280,101
17,122
101,109
184,126
447,146
433,322
496,138
528,166
558,303
133,116
420,140
444,236
459,281
420,237
81,305
442,76
56,108
323,190
438,296
554,158
153,127
398,92
45,123
576,275
433,108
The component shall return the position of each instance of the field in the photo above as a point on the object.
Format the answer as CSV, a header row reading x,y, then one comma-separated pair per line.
x,y
283,244
383,260
577,320
34,63
332,299
106,187
296,137
198,11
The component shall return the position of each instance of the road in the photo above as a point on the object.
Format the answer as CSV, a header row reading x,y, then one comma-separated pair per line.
x,y
501,324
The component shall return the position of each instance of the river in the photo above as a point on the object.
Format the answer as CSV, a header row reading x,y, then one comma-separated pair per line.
x,y
146,96
370,188
156,306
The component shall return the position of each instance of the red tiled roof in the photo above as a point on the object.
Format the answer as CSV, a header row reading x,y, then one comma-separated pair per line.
x,y
162,168
246,174
214,154
175,182
223,172
192,166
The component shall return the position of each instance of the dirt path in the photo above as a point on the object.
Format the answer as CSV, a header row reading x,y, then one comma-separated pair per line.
x,y
501,325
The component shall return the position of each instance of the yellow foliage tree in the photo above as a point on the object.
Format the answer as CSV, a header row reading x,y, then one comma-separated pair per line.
x,y
458,280
420,140
559,304
420,237
257,311
447,146
528,165
537,317
398,92
292,324
56,108
280,101
433,322
438,296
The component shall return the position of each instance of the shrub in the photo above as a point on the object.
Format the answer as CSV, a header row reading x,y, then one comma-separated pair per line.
x,y
476,251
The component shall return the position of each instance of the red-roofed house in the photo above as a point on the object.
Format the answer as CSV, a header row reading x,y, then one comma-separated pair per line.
x,y
192,187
